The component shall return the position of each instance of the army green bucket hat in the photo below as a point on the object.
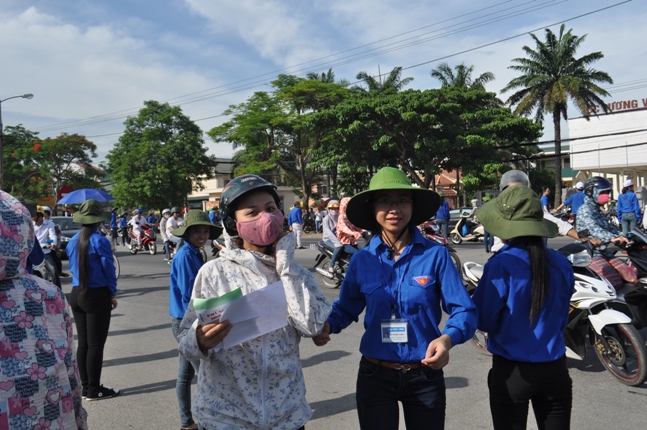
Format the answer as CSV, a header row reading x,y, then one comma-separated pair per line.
x,y
90,212
516,212
197,217
360,208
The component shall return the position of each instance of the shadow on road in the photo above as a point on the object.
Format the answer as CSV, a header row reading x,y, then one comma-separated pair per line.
x,y
141,358
456,382
140,330
327,408
324,356
139,291
149,388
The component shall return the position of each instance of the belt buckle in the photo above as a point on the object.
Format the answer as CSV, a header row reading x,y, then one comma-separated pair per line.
x,y
403,367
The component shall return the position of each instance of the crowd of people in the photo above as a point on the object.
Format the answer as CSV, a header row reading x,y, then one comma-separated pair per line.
x,y
402,282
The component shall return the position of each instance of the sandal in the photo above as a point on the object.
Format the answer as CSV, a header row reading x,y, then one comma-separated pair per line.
x,y
193,426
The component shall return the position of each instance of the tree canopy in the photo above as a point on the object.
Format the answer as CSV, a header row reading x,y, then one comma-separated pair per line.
x,y
462,78
160,159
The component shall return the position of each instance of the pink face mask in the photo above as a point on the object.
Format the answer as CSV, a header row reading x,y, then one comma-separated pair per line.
x,y
263,230
603,199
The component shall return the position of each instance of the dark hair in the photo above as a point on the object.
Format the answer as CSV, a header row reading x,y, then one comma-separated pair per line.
x,y
543,189
624,190
83,249
537,254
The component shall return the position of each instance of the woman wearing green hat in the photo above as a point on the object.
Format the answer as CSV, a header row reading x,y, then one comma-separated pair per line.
x,y
94,286
401,279
523,302
196,231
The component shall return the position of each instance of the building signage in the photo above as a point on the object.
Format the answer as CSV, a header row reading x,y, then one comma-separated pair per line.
x,y
623,105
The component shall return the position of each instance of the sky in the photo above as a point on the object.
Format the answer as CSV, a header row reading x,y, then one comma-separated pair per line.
x,y
90,64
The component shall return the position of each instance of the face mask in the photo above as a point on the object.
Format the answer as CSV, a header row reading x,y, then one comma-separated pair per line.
x,y
334,212
603,199
263,230
167,216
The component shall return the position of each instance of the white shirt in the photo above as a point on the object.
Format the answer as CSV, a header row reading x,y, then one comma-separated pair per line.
x,y
172,222
137,222
45,231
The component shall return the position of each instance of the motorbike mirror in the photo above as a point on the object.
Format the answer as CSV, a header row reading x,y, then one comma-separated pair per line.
x,y
637,234
584,233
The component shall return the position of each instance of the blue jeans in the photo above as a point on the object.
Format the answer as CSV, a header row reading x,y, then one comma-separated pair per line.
x,y
318,226
185,373
348,249
443,223
628,222
421,392
167,249
488,240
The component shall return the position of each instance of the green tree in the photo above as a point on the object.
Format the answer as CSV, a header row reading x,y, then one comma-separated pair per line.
x,y
21,172
67,160
462,77
160,159
392,82
551,76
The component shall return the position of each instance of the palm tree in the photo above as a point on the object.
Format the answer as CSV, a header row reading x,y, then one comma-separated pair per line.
x,y
327,78
462,78
551,75
393,81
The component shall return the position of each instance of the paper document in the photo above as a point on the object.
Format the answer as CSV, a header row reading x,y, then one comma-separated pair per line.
x,y
210,310
255,314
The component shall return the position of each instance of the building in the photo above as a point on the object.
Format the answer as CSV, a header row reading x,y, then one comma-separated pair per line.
x,y
612,145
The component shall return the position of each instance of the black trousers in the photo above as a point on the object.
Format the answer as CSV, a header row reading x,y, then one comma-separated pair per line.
x,y
91,311
513,384
50,262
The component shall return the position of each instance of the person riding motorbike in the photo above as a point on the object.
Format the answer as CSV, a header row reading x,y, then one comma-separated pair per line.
x,y
136,221
347,233
590,217
166,214
175,221
330,224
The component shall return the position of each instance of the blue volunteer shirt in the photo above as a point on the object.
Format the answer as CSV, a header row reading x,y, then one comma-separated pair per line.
x,y
295,216
503,299
212,217
628,202
576,201
102,266
184,269
545,202
414,287
113,220
443,210
122,222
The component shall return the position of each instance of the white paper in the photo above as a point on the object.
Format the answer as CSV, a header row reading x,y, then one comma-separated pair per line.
x,y
255,314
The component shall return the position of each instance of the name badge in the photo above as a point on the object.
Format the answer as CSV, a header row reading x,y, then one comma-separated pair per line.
x,y
394,331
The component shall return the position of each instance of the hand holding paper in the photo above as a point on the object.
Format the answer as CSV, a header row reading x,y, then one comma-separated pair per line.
x,y
210,335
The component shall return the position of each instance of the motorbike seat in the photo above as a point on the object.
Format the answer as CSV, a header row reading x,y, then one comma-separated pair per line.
x,y
324,245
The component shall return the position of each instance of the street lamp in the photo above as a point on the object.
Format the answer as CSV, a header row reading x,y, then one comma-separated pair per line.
x,y
23,96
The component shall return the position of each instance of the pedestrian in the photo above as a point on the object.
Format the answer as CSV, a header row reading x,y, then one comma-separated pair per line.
x,y
173,222
575,200
213,217
488,238
258,383
113,227
36,256
196,231
442,218
47,215
46,235
94,287
39,377
166,214
318,221
545,202
123,228
295,223
523,301
628,208
402,281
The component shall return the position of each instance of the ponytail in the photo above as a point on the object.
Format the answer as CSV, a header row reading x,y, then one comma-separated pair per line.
x,y
537,253
84,254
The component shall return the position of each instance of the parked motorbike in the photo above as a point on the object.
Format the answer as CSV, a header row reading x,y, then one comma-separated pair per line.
x,y
617,344
147,239
475,231
322,262
309,226
431,231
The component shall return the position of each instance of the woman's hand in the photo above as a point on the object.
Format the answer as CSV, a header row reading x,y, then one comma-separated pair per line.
x,y
210,335
324,337
620,240
113,301
437,355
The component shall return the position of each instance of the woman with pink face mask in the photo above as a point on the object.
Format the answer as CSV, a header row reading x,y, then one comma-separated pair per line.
x,y
258,383
590,217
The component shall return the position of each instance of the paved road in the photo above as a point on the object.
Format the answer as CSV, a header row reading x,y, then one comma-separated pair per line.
x,y
141,359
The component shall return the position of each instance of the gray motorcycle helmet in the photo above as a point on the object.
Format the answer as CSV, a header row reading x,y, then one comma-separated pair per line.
x,y
513,177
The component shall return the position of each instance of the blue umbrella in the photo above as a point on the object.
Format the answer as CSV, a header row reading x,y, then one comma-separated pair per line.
x,y
79,196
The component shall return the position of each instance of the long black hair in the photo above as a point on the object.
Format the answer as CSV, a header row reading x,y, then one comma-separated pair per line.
x,y
83,249
537,254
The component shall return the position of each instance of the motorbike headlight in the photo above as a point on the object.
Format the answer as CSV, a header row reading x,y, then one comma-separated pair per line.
x,y
65,239
580,259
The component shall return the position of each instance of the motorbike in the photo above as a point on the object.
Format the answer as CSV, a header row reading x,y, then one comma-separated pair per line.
x,y
322,262
431,231
309,226
565,214
475,232
147,239
616,342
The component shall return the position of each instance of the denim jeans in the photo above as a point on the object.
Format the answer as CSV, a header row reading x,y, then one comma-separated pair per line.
x,y
488,240
348,249
185,373
443,223
167,248
628,222
421,392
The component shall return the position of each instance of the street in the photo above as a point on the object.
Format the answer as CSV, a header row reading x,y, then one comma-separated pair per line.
x,y
141,360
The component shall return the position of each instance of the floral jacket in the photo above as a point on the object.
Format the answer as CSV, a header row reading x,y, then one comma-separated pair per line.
x,y
40,387
259,383
347,233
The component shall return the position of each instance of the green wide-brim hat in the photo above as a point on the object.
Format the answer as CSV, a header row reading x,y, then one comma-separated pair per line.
x,y
360,208
197,217
90,212
516,212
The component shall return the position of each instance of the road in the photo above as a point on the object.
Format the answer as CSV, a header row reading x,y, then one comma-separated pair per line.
x,y
141,360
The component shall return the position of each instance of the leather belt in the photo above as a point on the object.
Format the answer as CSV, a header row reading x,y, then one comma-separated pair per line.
x,y
403,367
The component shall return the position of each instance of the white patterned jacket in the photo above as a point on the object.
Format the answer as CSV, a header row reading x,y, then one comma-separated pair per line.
x,y
257,384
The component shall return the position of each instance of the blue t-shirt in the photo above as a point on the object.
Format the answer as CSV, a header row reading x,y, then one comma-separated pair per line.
x,y
102,265
545,202
113,220
503,299
443,210
575,201
295,216
184,269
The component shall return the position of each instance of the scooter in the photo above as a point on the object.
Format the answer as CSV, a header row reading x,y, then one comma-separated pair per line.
x,y
322,262
617,344
476,234
147,239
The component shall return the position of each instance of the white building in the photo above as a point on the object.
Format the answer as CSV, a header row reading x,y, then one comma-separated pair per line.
x,y
611,145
